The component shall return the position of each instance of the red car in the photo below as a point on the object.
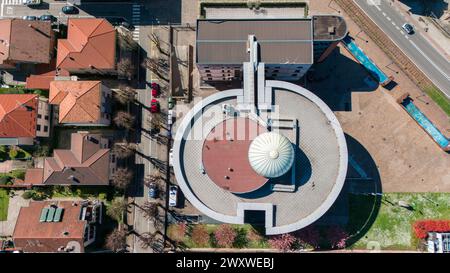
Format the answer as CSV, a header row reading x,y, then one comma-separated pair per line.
x,y
155,89
155,93
154,106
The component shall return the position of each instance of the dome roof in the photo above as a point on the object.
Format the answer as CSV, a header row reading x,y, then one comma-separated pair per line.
x,y
271,154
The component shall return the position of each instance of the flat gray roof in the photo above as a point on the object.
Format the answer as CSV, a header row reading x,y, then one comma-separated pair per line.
x,y
329,27
281,40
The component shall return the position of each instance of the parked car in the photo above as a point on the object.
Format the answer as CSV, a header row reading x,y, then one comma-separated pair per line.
x,y
154,106
408,28
69,10
170,103
155,89
173,192
171,157
155,93
152,191
170,117
47,17
30,18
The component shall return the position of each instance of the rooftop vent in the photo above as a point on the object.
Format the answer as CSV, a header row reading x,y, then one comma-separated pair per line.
x,y
332,30
66,233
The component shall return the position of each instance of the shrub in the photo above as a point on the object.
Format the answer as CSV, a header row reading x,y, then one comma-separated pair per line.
x,y
336,237
283,242
200,236
27,195
13,152
178,232
225,235
20,174
4,179
309,236
422,227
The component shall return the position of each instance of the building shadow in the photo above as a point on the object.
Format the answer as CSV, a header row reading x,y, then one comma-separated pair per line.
x,y
334,85
358,204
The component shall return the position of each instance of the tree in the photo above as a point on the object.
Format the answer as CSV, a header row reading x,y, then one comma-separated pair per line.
x,y
157,66
117,240
125,94
151,211
336,237
126,68
422,227
155,40
124,120
13,152
309,235
124,149
117,209
121,178
225,235
178,232
200,235
125,40
147,239
283,242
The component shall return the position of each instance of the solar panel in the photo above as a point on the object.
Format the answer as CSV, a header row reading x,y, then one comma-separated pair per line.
x,y
51,214
44,213
58,215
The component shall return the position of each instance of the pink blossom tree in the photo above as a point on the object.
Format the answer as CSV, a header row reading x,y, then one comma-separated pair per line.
x,y
337,237
283,242
225,235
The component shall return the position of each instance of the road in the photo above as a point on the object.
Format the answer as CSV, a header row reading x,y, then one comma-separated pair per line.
x,y
415,46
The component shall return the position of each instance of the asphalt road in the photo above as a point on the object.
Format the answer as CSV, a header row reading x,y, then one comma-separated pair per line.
x,y
415,46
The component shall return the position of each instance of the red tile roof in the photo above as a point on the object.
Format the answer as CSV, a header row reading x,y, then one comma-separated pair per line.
x,y
31,235
26,41
18,115
79,101
91,43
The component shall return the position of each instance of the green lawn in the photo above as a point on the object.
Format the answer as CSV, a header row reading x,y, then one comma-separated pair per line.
x,y
4,201
436,95
392,228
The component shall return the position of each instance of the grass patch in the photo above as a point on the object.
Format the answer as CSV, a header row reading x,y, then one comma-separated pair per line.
x,y
4,201
20,89
437,96
392,227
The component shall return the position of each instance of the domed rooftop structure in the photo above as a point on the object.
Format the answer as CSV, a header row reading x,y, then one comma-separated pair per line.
x,y
271,154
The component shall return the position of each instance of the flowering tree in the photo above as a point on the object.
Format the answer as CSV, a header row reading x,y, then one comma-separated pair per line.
x,y
422,227
309,235
336,236
283,242
200,235
178,232
225,235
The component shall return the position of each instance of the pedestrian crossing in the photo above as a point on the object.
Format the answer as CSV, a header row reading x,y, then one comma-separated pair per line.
x,y
136,20
12,2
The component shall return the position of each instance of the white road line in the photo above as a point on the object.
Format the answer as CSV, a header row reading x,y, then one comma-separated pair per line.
x,y
384,14
429,60
393,23
373,3
397,27
403,33
388,18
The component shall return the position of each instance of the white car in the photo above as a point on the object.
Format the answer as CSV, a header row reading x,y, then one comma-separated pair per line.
x,y
171,157
408,28
170,117
173,190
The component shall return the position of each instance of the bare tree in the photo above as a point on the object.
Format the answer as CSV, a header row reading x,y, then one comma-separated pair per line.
x,y
126,68
124,149
121,178
157,66
117,240
125,94
155,39
147,239
151,213
117,209
125,40
124,120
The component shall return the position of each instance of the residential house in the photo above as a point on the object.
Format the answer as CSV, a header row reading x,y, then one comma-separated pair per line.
x,y
88,162
23,41
57,226
81,103
23,117
90,47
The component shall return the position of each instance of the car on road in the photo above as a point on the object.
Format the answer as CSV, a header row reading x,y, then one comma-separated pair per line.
x,y
173,194
171,157
47,17
69,10
155,89
154,106
170,117
170,103
30,18
408,28
152,191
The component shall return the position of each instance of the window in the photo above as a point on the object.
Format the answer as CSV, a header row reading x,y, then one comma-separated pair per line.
x,y
294,75
297,71
38,127
207,70
46,117
45,128
39,116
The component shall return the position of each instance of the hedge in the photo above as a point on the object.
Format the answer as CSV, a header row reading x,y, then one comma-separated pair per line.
x,y
422,227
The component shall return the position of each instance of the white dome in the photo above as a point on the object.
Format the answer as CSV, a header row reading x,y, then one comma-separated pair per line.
x,y
271,154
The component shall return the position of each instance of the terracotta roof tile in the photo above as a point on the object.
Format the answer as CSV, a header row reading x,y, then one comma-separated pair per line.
x,y
18,115
90,43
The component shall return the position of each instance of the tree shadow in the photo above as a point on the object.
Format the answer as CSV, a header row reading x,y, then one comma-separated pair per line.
x,y
420,7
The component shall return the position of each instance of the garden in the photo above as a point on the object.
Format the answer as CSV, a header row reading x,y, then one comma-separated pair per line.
x,y
8,178
13,153
392,228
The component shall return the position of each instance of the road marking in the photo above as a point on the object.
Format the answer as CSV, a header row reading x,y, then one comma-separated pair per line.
x,y
375,4
393,23
398,28
388,18
384,14
136,20
429,60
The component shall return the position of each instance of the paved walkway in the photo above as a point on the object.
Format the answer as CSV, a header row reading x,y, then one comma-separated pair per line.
x,y
15,203
9,165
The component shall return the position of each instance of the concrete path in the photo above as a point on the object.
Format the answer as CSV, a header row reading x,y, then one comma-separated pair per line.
x,y
15,203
